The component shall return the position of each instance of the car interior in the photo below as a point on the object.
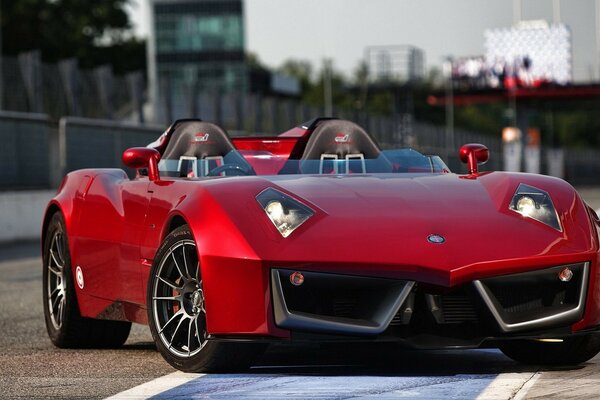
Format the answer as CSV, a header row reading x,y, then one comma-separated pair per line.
x,y
197,148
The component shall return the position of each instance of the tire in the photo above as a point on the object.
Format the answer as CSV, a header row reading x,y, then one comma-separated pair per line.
x,y
177,316
65,325
572,351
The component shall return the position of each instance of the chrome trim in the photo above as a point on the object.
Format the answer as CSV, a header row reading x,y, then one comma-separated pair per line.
x,y
317,323
563,317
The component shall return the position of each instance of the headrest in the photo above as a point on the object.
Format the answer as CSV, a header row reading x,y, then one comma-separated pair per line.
x,y
341,137
197,139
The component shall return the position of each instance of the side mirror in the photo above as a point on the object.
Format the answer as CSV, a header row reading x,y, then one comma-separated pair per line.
x,y
474,154
143,157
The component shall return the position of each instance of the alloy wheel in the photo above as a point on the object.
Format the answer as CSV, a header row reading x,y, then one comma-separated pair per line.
x,y
56,280
178,301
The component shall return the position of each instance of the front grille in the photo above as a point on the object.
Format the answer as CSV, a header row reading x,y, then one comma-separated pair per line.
x,y
336,303
536,298
335,295
520,300
455,307
397,320
458,308
344,307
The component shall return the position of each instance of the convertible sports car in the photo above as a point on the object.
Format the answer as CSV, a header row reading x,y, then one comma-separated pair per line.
x,y
224,245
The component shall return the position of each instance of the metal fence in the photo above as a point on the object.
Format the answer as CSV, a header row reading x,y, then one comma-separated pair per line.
x,y
92,143
240,112
29,85
582,167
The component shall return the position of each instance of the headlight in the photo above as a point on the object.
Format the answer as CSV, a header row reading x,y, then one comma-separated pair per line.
x,y
535,203
285,213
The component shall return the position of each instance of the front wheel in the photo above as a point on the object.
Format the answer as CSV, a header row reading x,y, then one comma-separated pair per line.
x,y
572,351
177,313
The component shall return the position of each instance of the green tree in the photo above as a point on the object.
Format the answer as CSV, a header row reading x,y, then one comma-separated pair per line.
x,y
301,70
95,32
577,128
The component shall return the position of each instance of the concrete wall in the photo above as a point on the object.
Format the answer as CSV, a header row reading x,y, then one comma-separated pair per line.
x,y
27,151
21,214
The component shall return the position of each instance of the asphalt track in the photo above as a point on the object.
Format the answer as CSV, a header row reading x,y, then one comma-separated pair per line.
x,y
32,368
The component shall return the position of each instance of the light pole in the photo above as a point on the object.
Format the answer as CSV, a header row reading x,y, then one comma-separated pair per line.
x,y
517,11
597,12
556,11
447,72
327,88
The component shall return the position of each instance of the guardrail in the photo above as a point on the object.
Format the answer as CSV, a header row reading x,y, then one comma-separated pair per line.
x,y
26,150
93,143
582,166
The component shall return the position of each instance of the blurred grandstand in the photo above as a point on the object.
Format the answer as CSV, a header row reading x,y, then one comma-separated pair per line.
x,y
531,54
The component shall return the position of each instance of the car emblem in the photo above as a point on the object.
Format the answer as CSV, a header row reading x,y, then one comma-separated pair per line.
x,y
436,239
201,137
342,138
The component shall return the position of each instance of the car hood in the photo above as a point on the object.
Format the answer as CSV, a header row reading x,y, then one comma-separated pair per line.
x,y
384,222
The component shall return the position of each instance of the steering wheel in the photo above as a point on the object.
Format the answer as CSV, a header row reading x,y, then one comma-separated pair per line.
x,y
230,170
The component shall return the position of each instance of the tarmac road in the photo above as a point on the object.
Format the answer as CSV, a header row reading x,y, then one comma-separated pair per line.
x,y
31,367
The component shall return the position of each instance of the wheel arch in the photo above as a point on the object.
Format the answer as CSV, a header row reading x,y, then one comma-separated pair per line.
x,y
174,221
52,209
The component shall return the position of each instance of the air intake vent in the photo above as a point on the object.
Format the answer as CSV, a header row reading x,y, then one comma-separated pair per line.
x,y
457,308
536,299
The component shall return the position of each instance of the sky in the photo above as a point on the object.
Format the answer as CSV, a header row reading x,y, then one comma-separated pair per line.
x,y
277,30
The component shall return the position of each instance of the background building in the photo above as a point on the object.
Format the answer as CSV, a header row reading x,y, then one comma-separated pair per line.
x,y
196,55
398,63
194,45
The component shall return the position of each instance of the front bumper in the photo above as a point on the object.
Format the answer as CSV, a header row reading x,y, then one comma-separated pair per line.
x,y
514,305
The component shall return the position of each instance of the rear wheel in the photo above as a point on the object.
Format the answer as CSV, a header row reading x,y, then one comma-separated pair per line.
x,y
571,351
65,325
177,313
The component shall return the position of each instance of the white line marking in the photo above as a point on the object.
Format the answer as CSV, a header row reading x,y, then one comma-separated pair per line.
x,y
508,385
528,385
156,386
297,385
294,386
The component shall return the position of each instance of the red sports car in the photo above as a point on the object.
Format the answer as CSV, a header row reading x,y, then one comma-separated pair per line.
x,y
224,245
